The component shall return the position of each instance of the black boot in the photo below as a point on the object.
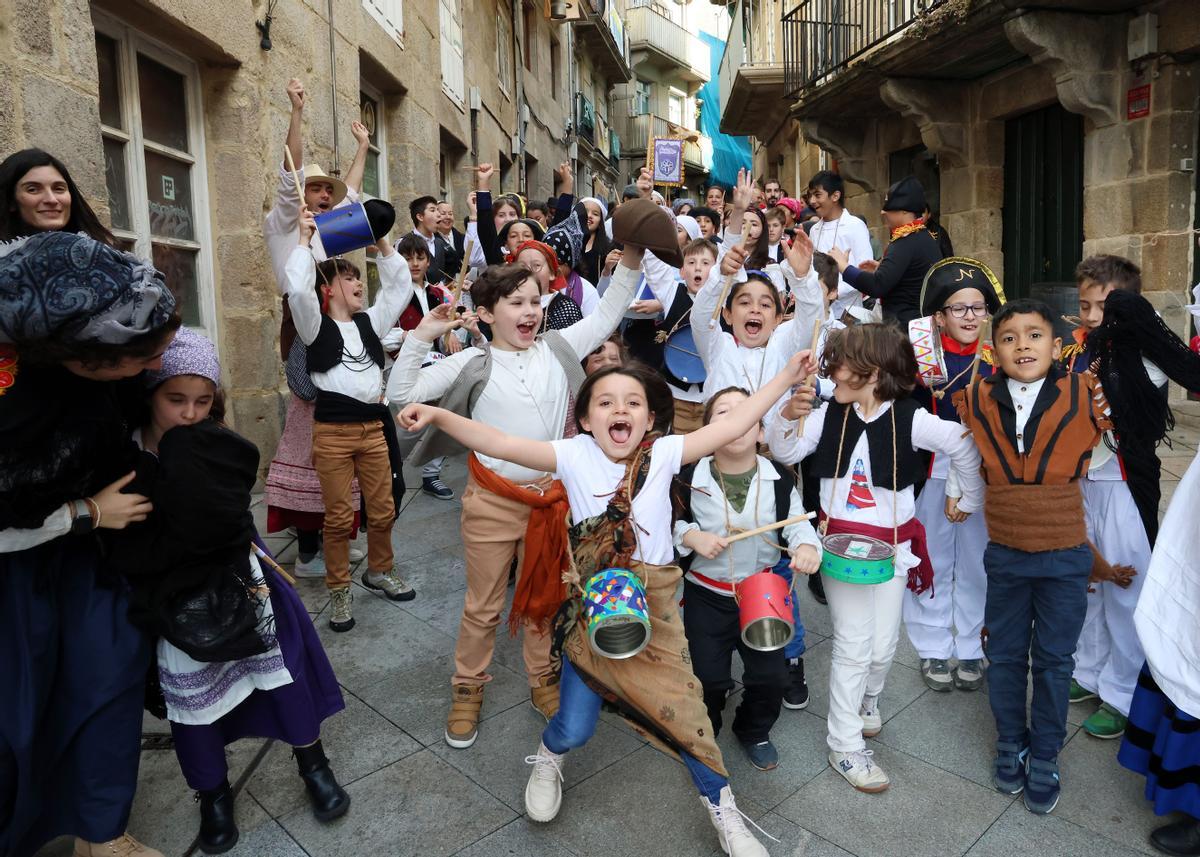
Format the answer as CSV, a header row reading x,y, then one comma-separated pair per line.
x,y
329,800
817,587
218,827
795,691
1181,838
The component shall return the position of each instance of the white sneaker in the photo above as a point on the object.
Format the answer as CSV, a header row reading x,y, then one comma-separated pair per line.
x,y
543,792
871,718
860,770
730,823
356,555
315,567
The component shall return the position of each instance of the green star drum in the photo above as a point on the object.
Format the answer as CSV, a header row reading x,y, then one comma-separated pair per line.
x,y
852,558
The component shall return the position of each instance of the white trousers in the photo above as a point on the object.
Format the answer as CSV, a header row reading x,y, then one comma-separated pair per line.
x,y
1109,655
947,624
866,628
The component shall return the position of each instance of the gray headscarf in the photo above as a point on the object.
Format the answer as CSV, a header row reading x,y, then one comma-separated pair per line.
x,y
69,287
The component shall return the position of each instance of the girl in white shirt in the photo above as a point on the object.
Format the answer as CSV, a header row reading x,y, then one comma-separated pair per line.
x,y
865,443
617,473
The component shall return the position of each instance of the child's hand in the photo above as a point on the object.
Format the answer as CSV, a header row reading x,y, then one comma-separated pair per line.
x,y
799,253
840,256
610,262
295,92
437,322
707,545
733,259
483,176
453,345
117,509
472,206
416,416
649,307
806,559
308,225
743,191
800,404
953,515
360,133
470,323
799,366
566,179
645,182
383,247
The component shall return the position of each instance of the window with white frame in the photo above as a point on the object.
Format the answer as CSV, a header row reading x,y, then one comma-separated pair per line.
x,y
152,129
504,50
389,14
454,82
676,107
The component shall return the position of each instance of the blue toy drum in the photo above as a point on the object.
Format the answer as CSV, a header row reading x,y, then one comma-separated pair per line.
x,y
352,227
683,358
618,616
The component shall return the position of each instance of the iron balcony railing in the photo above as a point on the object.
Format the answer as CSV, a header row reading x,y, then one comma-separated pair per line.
x,y
822,37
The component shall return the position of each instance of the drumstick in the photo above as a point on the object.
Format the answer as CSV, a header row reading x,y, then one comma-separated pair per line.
x,y
295,176
725,286
458,286
758,531
261,554
985,336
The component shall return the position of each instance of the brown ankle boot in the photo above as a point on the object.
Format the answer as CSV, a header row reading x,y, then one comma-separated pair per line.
x,y
462,725
123,846
544,697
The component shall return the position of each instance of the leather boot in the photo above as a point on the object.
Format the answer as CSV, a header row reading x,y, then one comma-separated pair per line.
x,y
329,800
218,827
1181,838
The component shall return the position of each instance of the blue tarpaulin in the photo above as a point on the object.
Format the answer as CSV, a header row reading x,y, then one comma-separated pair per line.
x,y
730,154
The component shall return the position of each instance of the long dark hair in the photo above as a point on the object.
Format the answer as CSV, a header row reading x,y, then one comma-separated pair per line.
x,y
98,355
760,251
658,394
14,168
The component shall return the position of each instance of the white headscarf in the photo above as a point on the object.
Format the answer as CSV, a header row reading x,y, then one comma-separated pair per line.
x,y
689,224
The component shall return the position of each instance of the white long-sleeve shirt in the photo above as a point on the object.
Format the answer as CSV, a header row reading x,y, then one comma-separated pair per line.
x,y
713,514
731,364
360,379
281,226
858,499
848,233
526,394
57,523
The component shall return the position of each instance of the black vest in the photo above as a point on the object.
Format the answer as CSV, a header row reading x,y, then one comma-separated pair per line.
x,y
910,468
325,351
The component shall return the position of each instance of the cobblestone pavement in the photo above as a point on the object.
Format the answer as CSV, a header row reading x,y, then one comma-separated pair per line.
x,y
413,795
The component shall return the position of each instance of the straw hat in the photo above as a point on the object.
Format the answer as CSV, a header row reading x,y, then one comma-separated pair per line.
x,y
313,173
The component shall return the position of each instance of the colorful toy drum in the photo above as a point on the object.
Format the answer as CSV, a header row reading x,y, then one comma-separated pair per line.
x,y
618,617
852,558
765,610
683,358
927,348
352,227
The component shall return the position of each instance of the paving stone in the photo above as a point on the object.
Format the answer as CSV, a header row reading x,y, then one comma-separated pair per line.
x,y
521,838
1019,831
417,806
358,741
954,731
903,684
898,821
800,738
498,763
314,594
432,575
675,824
794,840
417,699
1101,795
385,639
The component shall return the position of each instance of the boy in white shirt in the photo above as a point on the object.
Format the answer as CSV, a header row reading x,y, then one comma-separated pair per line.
x,y
838,228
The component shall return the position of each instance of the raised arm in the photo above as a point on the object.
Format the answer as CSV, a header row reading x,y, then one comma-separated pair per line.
x,y
301,276
566,193
743,197
882,280
295,134
587,335
717,434
396,288
354,176
534,454
789,443
488,238
710,340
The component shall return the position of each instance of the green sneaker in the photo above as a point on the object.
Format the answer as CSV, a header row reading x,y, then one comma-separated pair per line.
x,y
1106,723
1079,693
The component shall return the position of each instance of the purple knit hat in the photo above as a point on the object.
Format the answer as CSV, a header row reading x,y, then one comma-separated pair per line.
x,y
190,353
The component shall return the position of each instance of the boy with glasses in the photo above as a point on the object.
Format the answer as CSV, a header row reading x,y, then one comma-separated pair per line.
x,y
945,623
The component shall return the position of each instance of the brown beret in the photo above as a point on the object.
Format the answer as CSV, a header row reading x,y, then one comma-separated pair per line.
x,y
642,223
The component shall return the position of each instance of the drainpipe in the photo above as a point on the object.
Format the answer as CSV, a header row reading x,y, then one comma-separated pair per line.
x,y
520,36
337,160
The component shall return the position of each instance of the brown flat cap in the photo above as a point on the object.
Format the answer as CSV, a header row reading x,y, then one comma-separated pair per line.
x,y
643,224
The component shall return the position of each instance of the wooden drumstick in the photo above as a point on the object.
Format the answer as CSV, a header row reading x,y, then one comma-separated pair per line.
x,y
458,287
726,284
261,554
985,337
758,531
295,176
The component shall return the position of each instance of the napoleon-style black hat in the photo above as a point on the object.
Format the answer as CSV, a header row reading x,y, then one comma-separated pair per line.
x,y
905,195
955,273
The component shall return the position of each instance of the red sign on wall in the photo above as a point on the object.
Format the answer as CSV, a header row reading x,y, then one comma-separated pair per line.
x,y
1137,102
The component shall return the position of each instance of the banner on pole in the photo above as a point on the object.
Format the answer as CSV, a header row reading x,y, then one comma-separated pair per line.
x,y
667,161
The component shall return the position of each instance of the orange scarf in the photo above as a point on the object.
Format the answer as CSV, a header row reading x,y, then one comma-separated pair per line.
x,y
907,229
540,589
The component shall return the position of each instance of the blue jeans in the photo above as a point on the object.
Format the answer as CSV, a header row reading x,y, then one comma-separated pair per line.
x,y
575,723
796,648
1035,606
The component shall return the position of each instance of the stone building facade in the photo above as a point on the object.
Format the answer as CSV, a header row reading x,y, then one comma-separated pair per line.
x,y
171,115
1045,135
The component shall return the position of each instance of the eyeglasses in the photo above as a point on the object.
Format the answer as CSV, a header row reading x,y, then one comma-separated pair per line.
x,y
960,310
